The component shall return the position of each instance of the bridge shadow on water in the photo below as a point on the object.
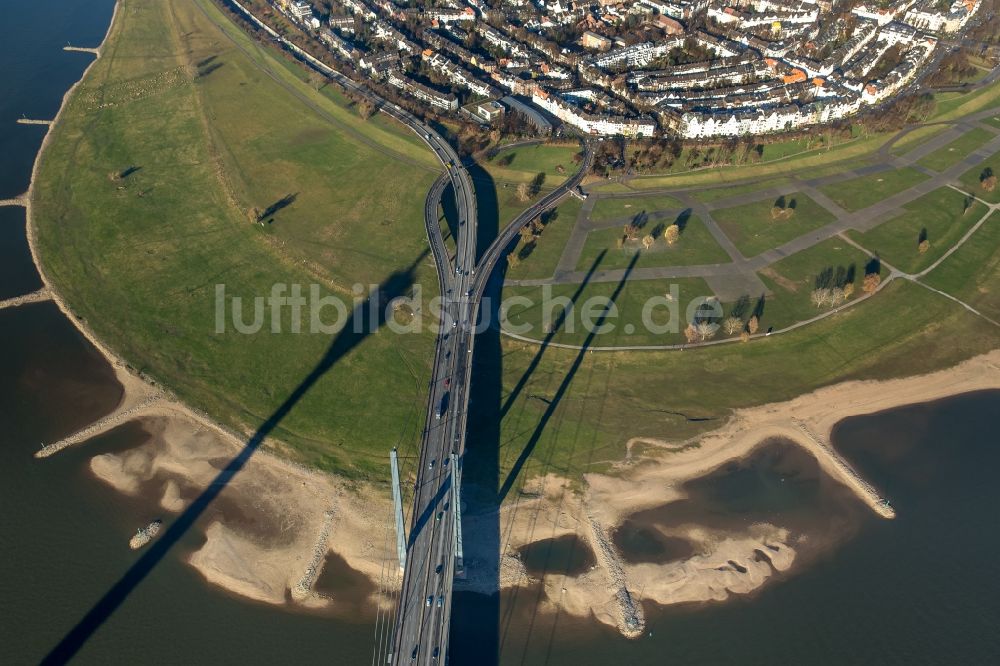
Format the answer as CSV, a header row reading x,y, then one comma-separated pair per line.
x,y
364,320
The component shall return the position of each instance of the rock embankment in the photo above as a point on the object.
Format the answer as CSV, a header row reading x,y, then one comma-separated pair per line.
x,y
304,587
108,422
846,473
42,294
631,620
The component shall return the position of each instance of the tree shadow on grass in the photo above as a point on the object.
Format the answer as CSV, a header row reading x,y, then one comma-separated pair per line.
x,y
682,219
280,204
365,319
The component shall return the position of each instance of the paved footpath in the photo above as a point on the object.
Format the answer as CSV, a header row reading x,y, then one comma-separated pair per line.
x,y
740,275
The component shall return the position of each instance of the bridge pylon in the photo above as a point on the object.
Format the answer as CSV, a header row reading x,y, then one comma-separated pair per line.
x,y
397,505
456,503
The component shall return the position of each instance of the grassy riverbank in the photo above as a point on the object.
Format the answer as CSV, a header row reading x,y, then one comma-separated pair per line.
x,y
206,125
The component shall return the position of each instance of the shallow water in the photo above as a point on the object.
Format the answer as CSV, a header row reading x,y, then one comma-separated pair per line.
x,y
919,589
66,534
778,483
567,555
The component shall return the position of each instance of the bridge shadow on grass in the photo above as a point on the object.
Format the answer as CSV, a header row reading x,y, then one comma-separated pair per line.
x,y
557,325
553,404
364,320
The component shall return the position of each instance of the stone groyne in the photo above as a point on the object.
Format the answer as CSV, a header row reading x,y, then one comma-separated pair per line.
x,y
304,587
42,294
15,201
631,620
113,419
83,49
34,121
843,470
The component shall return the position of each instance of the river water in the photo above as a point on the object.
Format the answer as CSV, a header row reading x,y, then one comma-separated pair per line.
x,y
918,590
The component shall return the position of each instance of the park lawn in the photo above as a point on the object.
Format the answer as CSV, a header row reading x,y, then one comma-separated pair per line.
x,y
792,279
613,208
950,106
604,186
957,150
696,246
753,230
859,193
379,131
916,137
542,260
713,194
972,272
940,213
531,160
139,260
627,326
994,121
669,395
971,179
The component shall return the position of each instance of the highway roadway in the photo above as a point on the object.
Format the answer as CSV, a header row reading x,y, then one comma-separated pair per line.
x,y
423,616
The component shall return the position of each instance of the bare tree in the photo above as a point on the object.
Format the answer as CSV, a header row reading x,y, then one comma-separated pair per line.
x,y
753,325
672,234
365,109
316,80
819,297
647,241
523,192
691,333
871,283
513,259
732,325
706,330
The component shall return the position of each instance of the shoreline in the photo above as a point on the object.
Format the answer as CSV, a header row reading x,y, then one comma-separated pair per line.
x,y
729,564
344,521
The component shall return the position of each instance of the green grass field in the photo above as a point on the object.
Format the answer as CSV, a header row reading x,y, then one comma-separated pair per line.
x,y
994,121
955,151
862,192
139,259
940,213
972,272
542,260
613,397
793,279
753,230
716,193
529,161
216,128
627,327
696,246
972,179
613,208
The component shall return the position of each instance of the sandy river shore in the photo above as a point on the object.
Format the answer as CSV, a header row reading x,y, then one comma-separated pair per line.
x,y
276,520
